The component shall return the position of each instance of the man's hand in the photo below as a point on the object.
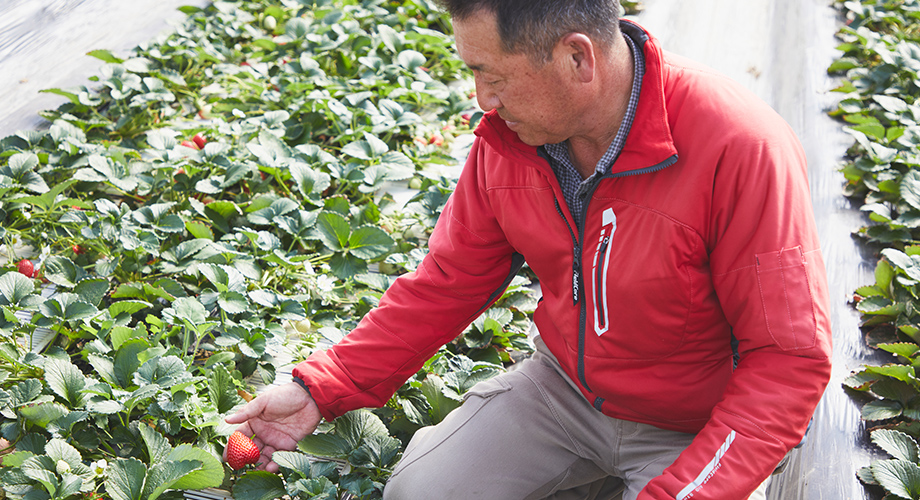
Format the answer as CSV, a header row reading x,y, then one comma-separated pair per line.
x,y
279,418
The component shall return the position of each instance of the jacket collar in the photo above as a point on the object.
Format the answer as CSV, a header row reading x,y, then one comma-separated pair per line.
x,y
649,142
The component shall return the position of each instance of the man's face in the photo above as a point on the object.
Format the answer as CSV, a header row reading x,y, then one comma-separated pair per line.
x,y
533,100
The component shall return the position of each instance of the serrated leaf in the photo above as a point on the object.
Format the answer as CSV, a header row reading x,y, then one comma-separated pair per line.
x,y
897,444
127,307
910,188
259,485
333,230
63,272
325,445
105,56
221,390
199,230
905,349
14,287
25,392
66,380
881,410
297,462
43,413
125,479
377,451
900,477
164,475
68,307
190,309
233,302
369,242
210,474
92,290
158,447
358,425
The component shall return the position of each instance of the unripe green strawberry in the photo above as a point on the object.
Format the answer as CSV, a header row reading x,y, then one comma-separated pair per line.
x,y
241,451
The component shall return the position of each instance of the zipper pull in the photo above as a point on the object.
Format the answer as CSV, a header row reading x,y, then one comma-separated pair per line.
x,y
576,269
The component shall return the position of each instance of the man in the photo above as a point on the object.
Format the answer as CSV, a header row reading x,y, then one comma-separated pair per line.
x,y
666,213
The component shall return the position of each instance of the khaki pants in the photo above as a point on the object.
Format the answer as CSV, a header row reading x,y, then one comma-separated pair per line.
x,y
529,434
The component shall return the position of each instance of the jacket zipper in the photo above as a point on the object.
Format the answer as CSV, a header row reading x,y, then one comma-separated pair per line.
x,y
582,323
577,260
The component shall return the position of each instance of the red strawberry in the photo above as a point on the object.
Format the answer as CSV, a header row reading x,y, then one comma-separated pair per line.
x,y
241,451
199,141
77,249
189,144
26,267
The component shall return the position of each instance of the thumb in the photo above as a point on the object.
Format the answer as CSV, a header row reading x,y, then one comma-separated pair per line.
x,y
250,410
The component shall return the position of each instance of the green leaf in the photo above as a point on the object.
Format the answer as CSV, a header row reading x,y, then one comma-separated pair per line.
x,y
164,371
66,380
44,413
910,188
190,309
25,392
897,444
221,389
891,104
209,475
377,451
62,271
127,307
905,349
881,410
259,485
127,360
199,230
900,477
441,401
369,242
325,445
333,230
41,469
68,307
105,56
14,287
297,462
92,290
125,479
357,425
158,447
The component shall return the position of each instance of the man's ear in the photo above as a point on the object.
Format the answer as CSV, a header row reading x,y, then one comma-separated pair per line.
x,y
579,53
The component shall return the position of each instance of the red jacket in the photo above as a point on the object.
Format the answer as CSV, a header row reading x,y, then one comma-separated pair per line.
x,y
703,229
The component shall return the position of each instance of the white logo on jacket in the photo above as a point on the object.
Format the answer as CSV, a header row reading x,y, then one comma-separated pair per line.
x,y
599,274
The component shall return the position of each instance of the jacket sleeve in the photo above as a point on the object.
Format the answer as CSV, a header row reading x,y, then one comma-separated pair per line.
x,y
468,266
770,279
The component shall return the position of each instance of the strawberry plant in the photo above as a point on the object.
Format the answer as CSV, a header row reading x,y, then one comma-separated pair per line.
x,y
219,202
880,53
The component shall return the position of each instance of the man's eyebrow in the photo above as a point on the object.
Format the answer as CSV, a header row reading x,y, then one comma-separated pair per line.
x,y
475,67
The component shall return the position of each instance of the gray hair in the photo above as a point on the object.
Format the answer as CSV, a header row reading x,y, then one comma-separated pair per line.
x,y
533,27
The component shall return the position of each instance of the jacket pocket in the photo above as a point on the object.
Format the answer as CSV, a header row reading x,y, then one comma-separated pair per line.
x,y
788,303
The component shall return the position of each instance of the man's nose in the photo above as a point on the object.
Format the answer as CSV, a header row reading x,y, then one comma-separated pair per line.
x,y
487,100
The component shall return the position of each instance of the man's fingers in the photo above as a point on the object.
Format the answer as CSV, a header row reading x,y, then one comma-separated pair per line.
x,y
249,410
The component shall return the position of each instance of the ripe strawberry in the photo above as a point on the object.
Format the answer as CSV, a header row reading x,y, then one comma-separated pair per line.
x,y
199,141
77,249
437,139
26,267
241,451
